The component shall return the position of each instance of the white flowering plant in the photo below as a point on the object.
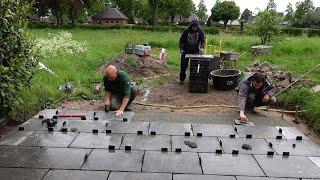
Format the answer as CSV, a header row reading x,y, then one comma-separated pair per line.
x,y
61,43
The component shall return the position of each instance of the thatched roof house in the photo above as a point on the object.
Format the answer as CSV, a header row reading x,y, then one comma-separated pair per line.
x,y
110,17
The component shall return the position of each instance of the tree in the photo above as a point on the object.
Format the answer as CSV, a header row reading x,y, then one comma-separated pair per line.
x,y
154,5
225,11
310,20
289,13
201,12
266,25
303,8
245,16
17,57
272,6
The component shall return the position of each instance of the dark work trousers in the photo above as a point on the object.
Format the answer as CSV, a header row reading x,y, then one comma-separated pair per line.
x,y
255,100
116,99
183,67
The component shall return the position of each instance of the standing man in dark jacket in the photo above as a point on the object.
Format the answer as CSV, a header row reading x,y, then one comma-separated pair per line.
x,y
192,41
254,91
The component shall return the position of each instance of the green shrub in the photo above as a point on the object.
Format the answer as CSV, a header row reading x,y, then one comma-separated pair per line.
x,y
313,32
17,60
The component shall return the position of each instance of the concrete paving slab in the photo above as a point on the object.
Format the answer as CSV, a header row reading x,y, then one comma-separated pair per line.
x,y
288,166
127,127
259,146
118,160
76,174
57,158
99,140
49,139
228,164
12,156
111,116
315,160
295,147
201,177
15,137
258,131
49,113
36,125
170,128
21,173
84,126
171,162
146,142
262,178
291,132
139,176
214,130
204,144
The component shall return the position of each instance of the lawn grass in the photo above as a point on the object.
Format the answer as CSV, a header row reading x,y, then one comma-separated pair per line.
x,y
296,54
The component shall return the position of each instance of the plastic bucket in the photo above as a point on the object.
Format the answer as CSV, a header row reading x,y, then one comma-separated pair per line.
x,y
225,79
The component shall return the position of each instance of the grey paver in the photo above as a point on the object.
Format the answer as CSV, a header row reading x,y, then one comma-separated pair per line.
x,y
214,130
36,125
170,128
171,162
76,174
258,131
118,160
259,146
56,158
139,176
12,156
291,167
15,137
201,177
49,113
204,144
262,178
21,173
228,164
315,160
146,142
128,127
99,140
84,126
110,116
49,139
295,147
291,132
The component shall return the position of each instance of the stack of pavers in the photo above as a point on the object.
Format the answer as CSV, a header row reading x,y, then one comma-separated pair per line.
x,y
199,72
107,147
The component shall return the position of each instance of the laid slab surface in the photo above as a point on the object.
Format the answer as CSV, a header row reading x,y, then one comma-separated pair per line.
x,y
201,177
170,128
12,156
315,160
118,160
36,125
295,147
262,178
21,173
259,146
99,140
291,132
127,127
214,130
56,158
139,176
84,126
49,113
291,167
146,142
171,162
111,116
49,139
204,144
15,137
228,164
76,174
258,131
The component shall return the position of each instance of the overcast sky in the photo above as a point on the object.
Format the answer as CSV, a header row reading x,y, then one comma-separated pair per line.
x,y
254,4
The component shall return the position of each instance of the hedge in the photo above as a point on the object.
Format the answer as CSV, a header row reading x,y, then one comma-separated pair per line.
x,y
301,31
173,28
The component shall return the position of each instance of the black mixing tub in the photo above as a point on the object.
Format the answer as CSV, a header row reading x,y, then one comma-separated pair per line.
x,y
225,79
